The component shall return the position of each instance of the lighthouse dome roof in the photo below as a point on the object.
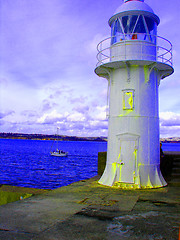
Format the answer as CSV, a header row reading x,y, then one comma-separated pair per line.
x,y
134,6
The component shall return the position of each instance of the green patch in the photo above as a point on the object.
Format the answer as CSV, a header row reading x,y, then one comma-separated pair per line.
x,y
7,197
98,201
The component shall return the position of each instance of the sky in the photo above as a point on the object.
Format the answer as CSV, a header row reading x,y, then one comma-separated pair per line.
x,y
47,61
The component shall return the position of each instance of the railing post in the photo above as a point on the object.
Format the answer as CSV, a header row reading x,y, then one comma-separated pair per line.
x,y
125,48
156,52
101,52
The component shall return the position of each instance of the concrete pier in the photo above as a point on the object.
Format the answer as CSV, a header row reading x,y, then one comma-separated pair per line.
x,y
86,210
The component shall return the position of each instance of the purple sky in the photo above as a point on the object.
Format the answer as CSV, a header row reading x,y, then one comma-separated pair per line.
x,y
47,60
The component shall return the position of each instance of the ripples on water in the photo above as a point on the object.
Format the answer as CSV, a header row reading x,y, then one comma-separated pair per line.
x,y
28,163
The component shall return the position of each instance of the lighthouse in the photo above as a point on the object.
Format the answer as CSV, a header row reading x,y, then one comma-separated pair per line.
x,y
134,59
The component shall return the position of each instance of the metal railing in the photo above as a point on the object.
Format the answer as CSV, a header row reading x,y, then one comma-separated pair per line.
x,y
163,48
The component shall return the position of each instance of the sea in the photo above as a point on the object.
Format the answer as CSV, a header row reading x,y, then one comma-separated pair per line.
x,y
28,163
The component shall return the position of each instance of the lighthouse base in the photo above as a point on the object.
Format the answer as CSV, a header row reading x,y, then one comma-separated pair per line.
x,y
146,177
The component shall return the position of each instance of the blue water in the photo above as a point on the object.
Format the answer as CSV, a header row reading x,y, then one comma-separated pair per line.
x,y
27,163
174,147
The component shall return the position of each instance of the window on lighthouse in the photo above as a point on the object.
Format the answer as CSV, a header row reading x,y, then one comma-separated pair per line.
x,y
117,32
128,23
134,27
140,29
152,28
128,99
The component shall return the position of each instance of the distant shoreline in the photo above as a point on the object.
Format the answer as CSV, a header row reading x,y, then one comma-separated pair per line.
x,y
170,140
69,138
50,137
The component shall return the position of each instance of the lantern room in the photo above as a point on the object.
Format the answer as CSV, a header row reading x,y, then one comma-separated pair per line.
x,y
134,20
134,40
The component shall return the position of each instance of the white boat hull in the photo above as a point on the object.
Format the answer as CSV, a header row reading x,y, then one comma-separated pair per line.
x,y
59,154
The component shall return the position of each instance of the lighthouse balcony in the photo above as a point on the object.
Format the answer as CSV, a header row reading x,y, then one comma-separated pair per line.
x,y
153,48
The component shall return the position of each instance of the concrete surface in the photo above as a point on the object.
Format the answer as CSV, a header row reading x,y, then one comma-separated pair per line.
x,y
87,210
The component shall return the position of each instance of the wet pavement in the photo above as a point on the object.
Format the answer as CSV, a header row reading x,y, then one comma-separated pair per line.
x,y
88,210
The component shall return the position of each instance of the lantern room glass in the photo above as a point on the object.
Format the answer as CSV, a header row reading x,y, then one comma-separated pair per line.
x,y
134,27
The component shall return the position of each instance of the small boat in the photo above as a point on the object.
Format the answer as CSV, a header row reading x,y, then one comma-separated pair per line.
x,y
58,152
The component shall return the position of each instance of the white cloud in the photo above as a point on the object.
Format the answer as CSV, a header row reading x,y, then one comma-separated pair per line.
x,y
52,117
102,113
76,117
5,114
169,124
169,131
170,119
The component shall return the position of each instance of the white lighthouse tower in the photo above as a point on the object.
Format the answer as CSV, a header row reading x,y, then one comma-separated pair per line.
x,y
133,60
